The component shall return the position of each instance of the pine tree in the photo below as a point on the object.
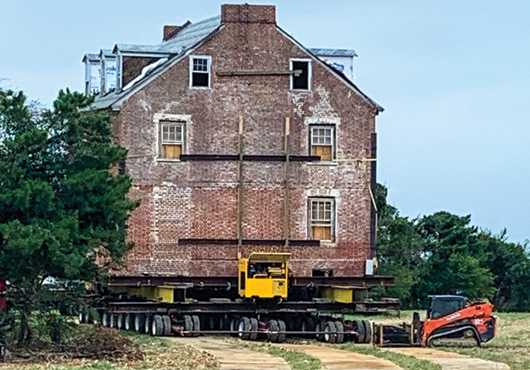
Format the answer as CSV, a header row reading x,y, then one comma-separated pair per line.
x,y
62,204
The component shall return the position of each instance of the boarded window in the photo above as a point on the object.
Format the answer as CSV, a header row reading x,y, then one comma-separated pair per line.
x,y
200,72
322,216
323,142
171,139
301,77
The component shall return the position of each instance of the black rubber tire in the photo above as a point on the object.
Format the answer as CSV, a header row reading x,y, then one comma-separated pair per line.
x,y
339,337
82,318
310,321
368,331
330,332
281,335
166,320
359,327
272,335
196,325
120,321
148,323
234,322
157,326
129,321
139,322
188,325
319,328
112,320
253,329
243,327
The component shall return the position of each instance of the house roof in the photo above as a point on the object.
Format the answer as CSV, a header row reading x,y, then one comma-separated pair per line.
x,y
334,52
188,39
91,57
184,39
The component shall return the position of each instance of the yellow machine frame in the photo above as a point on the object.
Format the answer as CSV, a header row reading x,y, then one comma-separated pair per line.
x,y
264,275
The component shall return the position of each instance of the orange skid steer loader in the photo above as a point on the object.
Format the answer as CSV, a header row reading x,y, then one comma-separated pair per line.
x,y
450,320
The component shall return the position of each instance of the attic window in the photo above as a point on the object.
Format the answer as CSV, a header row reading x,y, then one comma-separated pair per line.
x,y
200,71
301,78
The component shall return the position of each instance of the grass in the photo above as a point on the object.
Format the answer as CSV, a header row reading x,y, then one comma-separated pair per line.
x,y
406,362
160,354
297,360
511,345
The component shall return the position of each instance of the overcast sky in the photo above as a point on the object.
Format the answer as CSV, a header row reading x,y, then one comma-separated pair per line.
x,y
453,77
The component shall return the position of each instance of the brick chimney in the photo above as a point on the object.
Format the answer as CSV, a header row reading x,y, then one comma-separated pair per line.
x,y
248,13
171,31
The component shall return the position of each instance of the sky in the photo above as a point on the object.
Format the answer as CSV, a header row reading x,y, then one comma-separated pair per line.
x,y
453,77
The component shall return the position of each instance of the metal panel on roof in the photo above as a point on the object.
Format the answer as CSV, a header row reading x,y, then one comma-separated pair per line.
x,y
334,52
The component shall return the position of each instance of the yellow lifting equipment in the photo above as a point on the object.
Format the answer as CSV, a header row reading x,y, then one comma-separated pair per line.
x,y
264,275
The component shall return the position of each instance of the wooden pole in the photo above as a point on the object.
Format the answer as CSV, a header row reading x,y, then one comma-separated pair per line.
x,y
287,208
240,191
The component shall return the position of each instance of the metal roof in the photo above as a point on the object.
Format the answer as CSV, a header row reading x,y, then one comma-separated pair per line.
x,y
334,52
182,41
91,57
107,53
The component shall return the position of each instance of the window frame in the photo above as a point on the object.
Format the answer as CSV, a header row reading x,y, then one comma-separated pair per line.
x,y
208,72
309,73
333,128
331,223
162,142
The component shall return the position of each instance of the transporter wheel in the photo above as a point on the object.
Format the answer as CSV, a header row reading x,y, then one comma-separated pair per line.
x,y
339,337
120,321
330,332
234,322
166,320
272,335
368,331
253,329
196,325
358,326
319,328
148,323
212,323
188,325
243,328
129,321
112,320
139,322
157,326
82,318
281,334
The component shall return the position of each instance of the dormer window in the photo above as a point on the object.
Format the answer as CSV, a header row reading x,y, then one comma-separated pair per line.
x,y
200,71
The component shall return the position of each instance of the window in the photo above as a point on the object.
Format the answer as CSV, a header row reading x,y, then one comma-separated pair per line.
x,y
322,216
301,78
323,142
200,71
171,139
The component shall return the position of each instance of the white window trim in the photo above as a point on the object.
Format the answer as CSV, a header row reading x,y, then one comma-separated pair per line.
x,y
184,119
309,72
209,58
333,140
333,218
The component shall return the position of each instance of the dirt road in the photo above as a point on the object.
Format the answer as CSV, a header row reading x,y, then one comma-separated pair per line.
x,y
234,357
337,359
450,360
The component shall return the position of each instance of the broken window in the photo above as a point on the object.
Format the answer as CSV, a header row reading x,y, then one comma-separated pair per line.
x,y
200,71
322,216
301,77
323,142
171,139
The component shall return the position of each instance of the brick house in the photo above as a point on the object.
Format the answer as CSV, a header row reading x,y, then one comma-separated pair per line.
x,y
240,139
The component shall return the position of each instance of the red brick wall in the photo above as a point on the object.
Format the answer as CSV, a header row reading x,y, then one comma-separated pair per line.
x,y
199,199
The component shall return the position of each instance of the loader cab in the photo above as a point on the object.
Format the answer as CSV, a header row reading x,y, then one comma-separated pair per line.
x,y
264,275
443,305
